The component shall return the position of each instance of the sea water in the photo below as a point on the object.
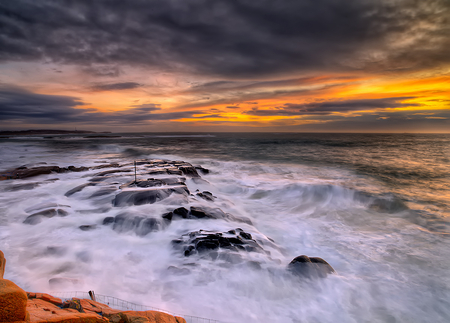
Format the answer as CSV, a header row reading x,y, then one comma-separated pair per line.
x,y
374,206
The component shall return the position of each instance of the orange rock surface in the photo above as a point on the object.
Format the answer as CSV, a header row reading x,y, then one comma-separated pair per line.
x,y
144,317
13,302
2,264
42,311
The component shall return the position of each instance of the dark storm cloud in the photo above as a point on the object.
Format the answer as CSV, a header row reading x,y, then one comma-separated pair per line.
x,y
328,107
238,38
21,105
116,86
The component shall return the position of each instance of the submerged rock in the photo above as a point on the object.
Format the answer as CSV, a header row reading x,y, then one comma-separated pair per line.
x,y
140,225
150,196
310,267
50,213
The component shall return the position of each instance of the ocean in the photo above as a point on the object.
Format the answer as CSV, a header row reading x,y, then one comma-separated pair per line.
x,y
376,207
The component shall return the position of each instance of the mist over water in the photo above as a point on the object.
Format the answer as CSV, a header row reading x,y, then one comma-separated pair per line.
x,y
376,207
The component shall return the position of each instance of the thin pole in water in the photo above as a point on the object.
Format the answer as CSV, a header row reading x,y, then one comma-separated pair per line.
x,y
135,180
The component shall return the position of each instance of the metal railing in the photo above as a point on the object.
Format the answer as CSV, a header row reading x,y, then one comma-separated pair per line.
x,y
123,305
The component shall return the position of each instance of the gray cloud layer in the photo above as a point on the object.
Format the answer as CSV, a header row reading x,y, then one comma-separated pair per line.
x,y
229,38
26,106
116,86
328,107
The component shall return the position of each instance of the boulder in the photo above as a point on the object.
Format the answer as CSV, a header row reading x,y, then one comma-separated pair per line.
x,y
310,267
13,302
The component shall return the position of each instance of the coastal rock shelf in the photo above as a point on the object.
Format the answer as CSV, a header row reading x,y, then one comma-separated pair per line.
x,y
150,197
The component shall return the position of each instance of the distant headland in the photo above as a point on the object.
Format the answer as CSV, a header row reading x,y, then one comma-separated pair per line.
x,y
45,131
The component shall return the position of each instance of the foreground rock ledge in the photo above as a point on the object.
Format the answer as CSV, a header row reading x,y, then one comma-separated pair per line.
x,y
20,307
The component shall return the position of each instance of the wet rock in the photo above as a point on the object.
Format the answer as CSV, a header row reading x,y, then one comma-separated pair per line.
x,y
140,225
104,191
115,165
189,171
50,213
202,170
107,172
201,212
24,172
78,189
108,220
87,227
200,242
140,197
206,196
20,187
310,267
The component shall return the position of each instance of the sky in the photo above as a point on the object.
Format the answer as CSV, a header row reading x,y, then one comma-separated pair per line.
x,y
225,65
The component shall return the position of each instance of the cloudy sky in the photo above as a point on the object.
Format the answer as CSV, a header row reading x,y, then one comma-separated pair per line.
x,y
231,65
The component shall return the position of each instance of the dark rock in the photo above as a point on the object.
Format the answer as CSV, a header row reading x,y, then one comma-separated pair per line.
x,y
78,189
201,242
24,172
173,171
107,172
108,220
197,212
206,195
189,170
37,217
245,235
310,267
103,192
115,165
20,187
87,227
202,170
140,225
140,197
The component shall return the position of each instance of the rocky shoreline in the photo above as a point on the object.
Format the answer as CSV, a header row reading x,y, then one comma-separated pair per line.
x,y
120,186
19,306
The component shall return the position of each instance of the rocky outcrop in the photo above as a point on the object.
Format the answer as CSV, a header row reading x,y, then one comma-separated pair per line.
x,y
310,267
201,212
17,306
198,242
13,299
